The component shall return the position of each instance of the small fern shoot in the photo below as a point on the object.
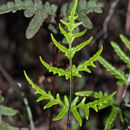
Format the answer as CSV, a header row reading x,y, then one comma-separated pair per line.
x,y
70,105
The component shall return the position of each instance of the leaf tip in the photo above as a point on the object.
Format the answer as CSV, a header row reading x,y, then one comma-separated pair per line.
x,y
40,58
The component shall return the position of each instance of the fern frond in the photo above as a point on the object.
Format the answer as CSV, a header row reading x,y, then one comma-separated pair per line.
x,y
95,104
43,94
34,86
90,62
36,23
65,106
111,118
30,8
56,70
123,78
97,95
74,71
120,53
125,41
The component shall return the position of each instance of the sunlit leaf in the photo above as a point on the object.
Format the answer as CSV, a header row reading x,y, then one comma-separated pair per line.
x,y
61,113
90,62
56,70
90,93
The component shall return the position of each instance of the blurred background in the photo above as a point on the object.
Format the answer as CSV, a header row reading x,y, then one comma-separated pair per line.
x,y
17,53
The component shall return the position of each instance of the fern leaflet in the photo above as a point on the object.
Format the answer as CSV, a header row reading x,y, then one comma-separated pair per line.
x,y
123,78
111,118
84,66
125,41
121,54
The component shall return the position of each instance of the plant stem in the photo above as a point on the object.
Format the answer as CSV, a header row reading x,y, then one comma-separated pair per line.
x,y
28,109
71,90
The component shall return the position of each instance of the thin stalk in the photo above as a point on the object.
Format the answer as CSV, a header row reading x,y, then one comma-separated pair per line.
x,y
71,90
32,127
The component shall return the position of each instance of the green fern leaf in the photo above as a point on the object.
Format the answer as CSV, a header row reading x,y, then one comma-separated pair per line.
x,y
38,89
66,34
123,117
84,66
60,71
123,78
30,8
75,25
79,34
95,104
79,47
75,72
73,11
29,12
59,46
44,95
120,53
61,114
66,101
36,23
50,104
53,101
86,21
56,70
84,8
125,41
64,109
111,118
75,112
73,49
90,93
7,111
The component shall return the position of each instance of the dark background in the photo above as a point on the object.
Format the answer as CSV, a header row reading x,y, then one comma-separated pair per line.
x,y
18,54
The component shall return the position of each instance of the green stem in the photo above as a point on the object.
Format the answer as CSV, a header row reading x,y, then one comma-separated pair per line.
x,y
71,90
